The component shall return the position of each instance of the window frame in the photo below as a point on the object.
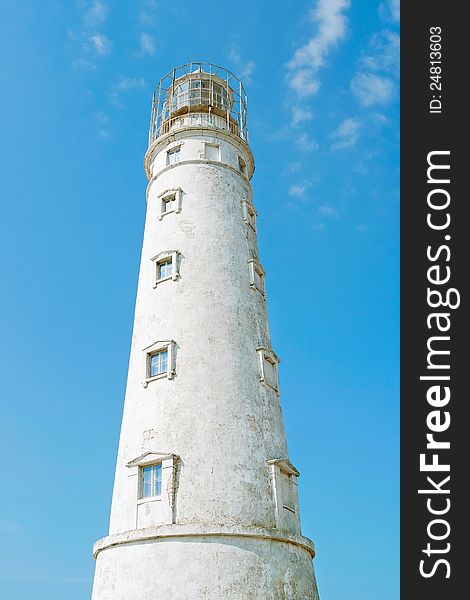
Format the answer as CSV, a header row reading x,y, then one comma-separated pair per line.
x,y
162,263
150,356
249,214
163,510
171,200
175,151
162,257
284,478
152,350
256,268
177,193
142,468
266,354
212,145
242,165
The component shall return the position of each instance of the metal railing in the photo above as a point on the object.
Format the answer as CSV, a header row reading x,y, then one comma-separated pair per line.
x,y
199,94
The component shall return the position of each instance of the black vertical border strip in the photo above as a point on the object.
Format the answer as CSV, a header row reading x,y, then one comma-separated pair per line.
x,y
422,132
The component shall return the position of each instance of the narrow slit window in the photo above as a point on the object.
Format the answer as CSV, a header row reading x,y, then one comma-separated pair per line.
x,y
151,481
241,165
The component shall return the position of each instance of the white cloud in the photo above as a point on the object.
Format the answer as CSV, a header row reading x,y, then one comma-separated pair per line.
x,y
247,70
300,115
383,53
328,211
346,134
148,13
95,14
100,44
331,24
390,10
298,190
379,118
89,43
304,83
293,167
129,83
84,63
122,86
147,44
102,123
371,89
306,143
244,69
394,7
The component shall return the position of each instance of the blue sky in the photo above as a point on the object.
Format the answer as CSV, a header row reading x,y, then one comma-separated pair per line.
x,y
322,84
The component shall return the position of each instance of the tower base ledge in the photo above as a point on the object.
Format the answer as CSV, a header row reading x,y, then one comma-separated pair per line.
x,y
164,532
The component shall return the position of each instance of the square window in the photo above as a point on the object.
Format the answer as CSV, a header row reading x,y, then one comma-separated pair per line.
x,y
158,363
169,202
165,266
165,269
173,156
151,481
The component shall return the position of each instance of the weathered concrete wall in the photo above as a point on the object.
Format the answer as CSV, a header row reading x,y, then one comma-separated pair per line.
x,y
214,415
210,568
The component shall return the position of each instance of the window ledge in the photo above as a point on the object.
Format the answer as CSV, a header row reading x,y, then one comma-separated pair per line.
x,y
149,499
269,385
256,288
168,212
162,280
159,376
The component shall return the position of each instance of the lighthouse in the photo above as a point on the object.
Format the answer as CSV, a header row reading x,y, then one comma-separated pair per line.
x,y
205,503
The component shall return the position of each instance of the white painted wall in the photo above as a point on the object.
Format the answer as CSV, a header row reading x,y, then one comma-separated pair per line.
x,y
214,414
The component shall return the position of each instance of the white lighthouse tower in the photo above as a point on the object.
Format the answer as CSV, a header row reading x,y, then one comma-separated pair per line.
x,y
205,502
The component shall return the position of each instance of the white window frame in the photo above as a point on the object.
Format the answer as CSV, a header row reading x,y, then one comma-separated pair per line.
x,y
162,257
213,145
249,214
257,269
162,272
155,348
176,150
284,473
266,354
150,357
169,464
141,481
163,197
